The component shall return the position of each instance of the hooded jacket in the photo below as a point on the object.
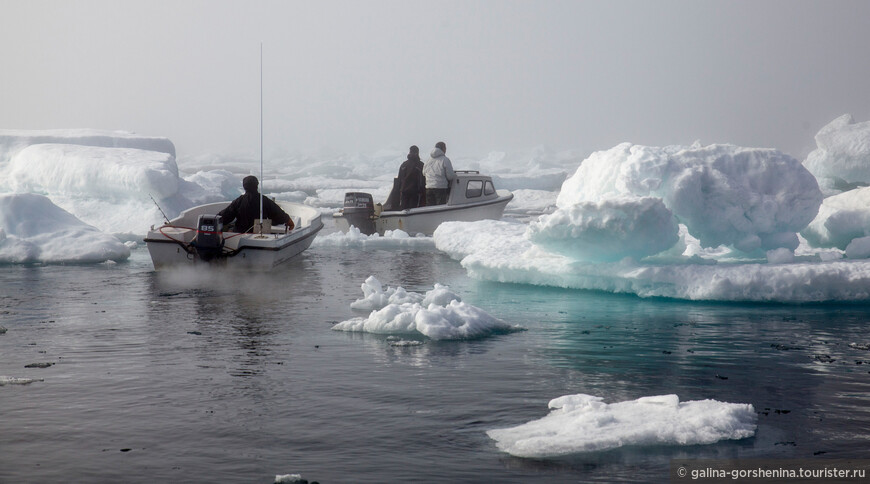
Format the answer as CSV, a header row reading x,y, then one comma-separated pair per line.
x,y
438,170
411,175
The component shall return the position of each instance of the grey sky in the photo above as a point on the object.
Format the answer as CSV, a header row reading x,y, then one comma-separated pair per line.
x,y
357,76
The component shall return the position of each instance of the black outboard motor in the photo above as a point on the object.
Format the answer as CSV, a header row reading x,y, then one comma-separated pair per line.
x,y
359,210
209,239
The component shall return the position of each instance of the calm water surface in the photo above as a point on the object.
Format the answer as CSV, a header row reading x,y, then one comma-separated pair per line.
x,y
214,377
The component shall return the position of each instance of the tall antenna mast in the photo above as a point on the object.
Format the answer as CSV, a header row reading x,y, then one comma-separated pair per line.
x,y
261,136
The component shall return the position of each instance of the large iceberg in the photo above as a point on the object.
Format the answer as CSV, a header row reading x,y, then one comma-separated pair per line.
x,y
14,140
750,199
702,223
501,251
584,423
108,179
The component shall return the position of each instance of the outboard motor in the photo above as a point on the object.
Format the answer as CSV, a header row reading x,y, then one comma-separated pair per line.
x,y
359,210
209,239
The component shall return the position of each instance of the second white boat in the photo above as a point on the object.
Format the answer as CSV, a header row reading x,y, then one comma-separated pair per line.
x,y
472,197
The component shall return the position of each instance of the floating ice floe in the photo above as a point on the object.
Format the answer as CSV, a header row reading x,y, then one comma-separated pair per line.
x,y
500,251
584,423
33,229
11,380
390,239
439,314
290,479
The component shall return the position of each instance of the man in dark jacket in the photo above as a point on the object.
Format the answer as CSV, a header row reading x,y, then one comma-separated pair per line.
x,y
411,181
245,209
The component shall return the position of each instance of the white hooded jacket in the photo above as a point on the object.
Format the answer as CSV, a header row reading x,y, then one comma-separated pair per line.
x,y
438,170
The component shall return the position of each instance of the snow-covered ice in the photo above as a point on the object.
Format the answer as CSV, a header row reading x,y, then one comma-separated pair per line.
x,y
745,198
438,315
11,380
290,479
841,160
584,423
376,297
841,218
33,229
500,251
390,240
607,230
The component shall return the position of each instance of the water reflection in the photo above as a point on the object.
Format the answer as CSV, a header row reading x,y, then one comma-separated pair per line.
x,y
238,317
422,352
793,363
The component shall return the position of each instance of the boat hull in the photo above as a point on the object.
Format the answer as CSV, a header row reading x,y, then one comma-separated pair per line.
x,y
170,245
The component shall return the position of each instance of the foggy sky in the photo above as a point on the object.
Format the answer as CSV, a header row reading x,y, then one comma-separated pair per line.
x,y
357,76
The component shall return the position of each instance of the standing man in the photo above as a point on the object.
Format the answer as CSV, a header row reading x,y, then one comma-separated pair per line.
x,y
411,182
439,174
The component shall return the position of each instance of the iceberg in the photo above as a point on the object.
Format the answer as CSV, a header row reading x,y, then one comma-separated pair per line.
x,y
584,423
500,251
841,218
749,199
608,230
14,140
701,223
104,178
33,229
841,160
438,315
109,173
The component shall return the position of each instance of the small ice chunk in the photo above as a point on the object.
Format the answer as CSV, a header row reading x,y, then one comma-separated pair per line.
x,y
290,479
11,380
439,314
584,423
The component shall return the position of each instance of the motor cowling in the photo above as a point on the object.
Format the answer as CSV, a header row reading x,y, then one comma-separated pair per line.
x,y
359,211
209,239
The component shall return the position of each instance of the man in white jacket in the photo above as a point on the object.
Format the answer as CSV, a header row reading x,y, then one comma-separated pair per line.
x,y
439,174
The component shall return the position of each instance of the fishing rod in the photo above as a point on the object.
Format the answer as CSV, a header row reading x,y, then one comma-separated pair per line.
x,y
158,208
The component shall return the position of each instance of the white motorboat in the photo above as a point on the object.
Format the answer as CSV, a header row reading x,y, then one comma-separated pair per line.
x,y
472,197
197,237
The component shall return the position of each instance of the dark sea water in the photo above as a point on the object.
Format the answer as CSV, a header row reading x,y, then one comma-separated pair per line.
x,y
215,377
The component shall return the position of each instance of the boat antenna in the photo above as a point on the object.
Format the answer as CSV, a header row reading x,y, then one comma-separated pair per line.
x,y
261,138
158,208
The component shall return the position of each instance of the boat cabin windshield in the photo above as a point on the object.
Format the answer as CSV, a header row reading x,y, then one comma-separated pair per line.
x,y
470,187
